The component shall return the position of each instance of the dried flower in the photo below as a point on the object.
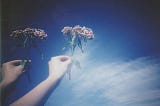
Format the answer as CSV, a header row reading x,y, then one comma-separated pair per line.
x,y
76,35
29,37
66,30
78,31
29,32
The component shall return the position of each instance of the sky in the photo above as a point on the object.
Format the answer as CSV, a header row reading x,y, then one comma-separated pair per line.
x,y
121,66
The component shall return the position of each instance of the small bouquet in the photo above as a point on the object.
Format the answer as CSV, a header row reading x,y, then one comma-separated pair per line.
x,y
76,35
29,38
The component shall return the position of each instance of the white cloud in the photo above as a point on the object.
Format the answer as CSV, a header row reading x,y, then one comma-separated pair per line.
x,y
120,83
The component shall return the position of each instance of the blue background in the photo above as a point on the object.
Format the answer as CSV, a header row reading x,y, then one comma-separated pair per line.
x,y
124,29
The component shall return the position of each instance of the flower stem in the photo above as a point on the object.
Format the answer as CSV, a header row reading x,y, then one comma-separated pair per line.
x,y
25,41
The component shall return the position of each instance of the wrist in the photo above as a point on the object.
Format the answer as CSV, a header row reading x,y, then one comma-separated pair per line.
x,y
52,80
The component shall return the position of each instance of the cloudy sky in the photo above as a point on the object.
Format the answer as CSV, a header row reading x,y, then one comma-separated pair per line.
x,y
120,82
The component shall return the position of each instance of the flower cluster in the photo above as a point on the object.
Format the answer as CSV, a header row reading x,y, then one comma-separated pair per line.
x,y
76,36
66,30
78,31
29,32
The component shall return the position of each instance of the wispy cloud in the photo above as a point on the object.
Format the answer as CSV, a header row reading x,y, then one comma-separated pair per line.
x,y
120,83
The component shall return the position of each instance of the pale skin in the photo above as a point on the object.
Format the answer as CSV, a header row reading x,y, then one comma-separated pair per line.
x,y
58,66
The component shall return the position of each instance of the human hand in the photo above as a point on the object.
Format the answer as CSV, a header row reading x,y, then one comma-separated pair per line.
x,y
58,66
11,71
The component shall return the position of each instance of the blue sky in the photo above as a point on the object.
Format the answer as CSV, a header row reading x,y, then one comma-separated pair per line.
x,y
119,67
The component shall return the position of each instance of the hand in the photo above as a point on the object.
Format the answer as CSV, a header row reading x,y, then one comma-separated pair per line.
x,y
11,71
58,66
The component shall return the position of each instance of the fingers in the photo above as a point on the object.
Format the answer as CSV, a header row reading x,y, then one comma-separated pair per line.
x,y
68,61
15,61
19,69
61,58
65,60
21,62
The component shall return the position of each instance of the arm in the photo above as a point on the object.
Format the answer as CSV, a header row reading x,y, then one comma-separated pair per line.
x,y
37,96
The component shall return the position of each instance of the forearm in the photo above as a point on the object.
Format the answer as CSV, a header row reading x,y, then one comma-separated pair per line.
x,y
36,96
3,85
3,90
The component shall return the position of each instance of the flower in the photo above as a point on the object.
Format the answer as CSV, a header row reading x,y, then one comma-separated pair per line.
x,y
78,31
88,33
66,30
77,35
30,33
83,32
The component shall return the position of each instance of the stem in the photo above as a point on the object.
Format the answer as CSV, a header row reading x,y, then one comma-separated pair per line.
x,y
25,41
22,63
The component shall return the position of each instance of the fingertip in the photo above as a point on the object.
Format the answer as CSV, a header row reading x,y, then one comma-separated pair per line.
x,y
26,60
29,60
